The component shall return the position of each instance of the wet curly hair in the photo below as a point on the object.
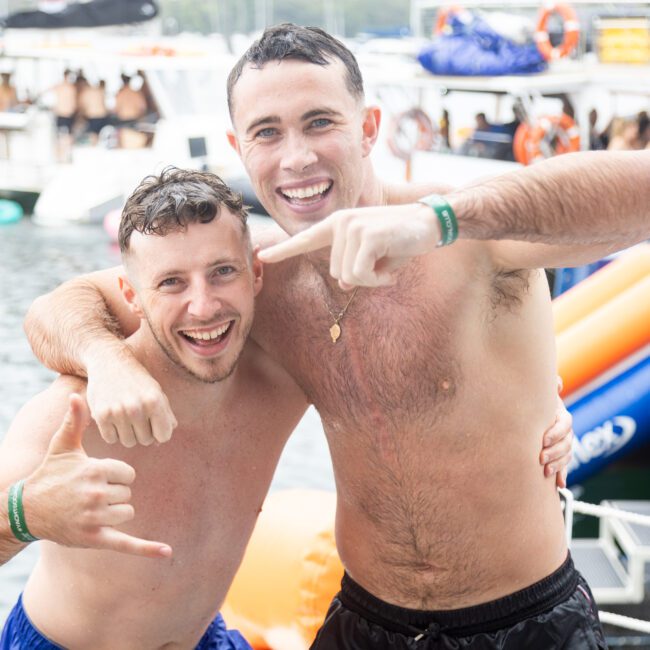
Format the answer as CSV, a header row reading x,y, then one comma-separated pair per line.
x,y
172,200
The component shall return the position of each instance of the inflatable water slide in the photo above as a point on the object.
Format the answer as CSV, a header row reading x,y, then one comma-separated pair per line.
x,y
602,325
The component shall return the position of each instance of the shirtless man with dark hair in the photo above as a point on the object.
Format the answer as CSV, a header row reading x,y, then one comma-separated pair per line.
x,y
433,379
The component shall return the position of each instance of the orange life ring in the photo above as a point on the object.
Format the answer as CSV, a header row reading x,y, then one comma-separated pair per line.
x,y
443,15
400,142
571,32
550,136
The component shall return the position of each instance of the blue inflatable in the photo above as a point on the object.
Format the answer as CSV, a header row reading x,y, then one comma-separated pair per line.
x,y
473,48
566,278
10,211
611,421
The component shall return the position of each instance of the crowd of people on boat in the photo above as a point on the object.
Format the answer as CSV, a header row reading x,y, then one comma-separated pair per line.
x,y
621,134
495,140
82,109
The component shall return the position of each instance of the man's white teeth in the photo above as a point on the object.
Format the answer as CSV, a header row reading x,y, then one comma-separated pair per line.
x,y
305,192
207,336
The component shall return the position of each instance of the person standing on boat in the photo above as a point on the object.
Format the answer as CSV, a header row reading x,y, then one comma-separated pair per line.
x,y
130,107
65,110
92,106
433,391
8,96
191,279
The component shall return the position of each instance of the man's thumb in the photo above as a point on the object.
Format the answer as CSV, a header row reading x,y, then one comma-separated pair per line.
x,y
69,435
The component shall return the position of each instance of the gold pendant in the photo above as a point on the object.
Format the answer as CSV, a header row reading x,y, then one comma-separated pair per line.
x,y
335,332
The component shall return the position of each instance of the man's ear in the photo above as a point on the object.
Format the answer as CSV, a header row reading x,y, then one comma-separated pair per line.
x,y
370,126
232,141
130,296
258,271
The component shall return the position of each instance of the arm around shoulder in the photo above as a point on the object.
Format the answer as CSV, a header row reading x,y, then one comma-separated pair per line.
x,y
78,320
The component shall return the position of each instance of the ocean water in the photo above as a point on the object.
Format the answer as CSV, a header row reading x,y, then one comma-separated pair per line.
x,y
34,260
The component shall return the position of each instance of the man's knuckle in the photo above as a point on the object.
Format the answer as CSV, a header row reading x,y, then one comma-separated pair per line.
x,y
94,470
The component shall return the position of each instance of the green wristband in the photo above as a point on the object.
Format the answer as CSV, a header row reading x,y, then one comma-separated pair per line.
x,y
446,217
17,514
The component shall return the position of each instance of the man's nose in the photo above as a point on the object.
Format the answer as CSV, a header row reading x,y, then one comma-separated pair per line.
x,y
298,153
203,302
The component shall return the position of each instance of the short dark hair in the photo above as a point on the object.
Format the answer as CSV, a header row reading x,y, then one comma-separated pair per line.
x,y
174,199
289,41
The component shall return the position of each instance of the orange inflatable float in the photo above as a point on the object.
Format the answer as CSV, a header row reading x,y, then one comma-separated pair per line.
x,y
601,286
571,32
290,573
550,136
612,332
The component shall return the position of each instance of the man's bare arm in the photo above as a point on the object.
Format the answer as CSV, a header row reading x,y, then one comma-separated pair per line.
x,y
574,208
68,326
77,329
9,545
588,199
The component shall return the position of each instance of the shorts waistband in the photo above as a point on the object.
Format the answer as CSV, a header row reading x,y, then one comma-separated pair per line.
x,y
539,597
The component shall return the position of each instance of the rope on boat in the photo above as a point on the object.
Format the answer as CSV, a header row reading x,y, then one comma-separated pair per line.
x,y
571,506
624,621
607,511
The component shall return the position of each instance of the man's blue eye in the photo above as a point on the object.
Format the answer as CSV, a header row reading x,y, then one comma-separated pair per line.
x,y
321,121
225,270
266,133
168,282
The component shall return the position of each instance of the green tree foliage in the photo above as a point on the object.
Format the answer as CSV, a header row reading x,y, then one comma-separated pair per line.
x,y
228,16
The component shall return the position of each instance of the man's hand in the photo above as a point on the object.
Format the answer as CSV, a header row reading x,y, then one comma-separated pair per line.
x,y
557,444
127,403
75,500
368,244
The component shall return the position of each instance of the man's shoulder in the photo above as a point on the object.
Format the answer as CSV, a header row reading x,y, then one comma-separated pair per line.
x,y
267,376
53,401
41,415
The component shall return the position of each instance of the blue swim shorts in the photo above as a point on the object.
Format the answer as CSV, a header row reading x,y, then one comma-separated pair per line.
x,y
20,634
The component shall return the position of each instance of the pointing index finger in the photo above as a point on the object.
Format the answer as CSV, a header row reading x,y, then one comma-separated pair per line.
x,y
315,237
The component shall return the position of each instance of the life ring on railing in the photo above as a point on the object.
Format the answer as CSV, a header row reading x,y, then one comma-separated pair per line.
x,y
403,139
443,15
571,32
549,136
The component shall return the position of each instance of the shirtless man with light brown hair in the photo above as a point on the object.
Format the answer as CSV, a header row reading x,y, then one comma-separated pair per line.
x,y
439,376
191,279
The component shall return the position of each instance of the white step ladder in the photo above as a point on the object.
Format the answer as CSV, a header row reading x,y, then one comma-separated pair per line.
x,y
615,563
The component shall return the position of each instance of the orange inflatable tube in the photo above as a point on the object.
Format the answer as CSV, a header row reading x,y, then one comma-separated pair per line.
x,y
615,330
289,574
601,286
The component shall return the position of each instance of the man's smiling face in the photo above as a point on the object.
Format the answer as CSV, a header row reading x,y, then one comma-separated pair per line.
x,y
302,136
196,288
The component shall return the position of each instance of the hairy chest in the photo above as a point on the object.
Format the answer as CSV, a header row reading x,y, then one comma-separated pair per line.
x,y
397,356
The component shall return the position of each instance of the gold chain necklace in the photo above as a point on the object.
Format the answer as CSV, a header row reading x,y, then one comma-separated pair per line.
x,y
335,330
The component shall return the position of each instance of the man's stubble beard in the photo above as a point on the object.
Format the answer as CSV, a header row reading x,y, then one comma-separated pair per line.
x,y
170,354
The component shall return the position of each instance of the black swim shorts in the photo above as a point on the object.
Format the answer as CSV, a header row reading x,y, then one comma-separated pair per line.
x,y
64,124
555,613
